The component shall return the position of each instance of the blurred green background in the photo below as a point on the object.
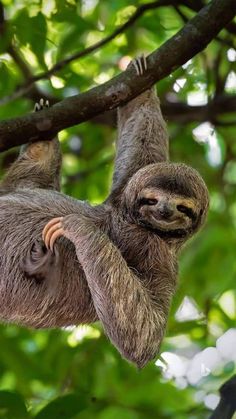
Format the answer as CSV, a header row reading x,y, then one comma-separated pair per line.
x,y
76,373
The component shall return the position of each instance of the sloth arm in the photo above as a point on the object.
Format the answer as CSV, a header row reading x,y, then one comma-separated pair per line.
x,y
133,317
142,138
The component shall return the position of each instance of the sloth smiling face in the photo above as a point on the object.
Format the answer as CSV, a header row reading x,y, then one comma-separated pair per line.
x,y
170,199
166,211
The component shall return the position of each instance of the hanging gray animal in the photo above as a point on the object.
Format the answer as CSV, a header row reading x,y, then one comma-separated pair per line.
x,y
116,262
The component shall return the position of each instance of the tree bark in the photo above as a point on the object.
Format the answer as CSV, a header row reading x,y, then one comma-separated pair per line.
x,y
190,40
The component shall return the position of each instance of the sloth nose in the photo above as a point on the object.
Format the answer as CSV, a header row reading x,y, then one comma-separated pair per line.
x,y
166,212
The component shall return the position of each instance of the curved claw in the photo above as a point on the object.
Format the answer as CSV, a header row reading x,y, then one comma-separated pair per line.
x,y
42,104
56,234
140,64
52,230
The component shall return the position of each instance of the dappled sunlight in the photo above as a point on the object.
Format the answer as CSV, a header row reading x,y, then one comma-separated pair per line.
x,y
102,78
75,144
175,366
231,54
48,6
70,164
188,310
123,15
206,134
57,82
231,82
203,363
197,98
227,303
5,57
79,333
187,64
179,83
226,345
92,37
87,7
187,363
211,400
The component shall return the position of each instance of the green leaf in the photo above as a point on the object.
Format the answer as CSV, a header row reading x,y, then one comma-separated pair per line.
x,y
38,38
32,31
12,406
22,26
64,407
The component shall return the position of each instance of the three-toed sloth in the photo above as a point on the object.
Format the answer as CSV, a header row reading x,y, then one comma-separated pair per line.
x,y
115,262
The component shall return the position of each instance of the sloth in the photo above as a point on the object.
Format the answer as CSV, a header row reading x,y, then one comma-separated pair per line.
x,y
64,262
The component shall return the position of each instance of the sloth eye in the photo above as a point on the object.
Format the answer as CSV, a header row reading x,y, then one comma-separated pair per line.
x,y
182,208
185,210
148,201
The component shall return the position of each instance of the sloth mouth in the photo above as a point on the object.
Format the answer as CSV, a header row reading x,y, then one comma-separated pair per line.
x,y
166,225
168,233
166,229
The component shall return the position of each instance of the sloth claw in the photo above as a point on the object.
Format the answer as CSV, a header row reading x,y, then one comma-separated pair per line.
x,y
42,104
52,231
140,64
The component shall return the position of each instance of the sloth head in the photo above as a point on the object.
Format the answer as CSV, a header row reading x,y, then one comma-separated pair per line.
x,y
170,199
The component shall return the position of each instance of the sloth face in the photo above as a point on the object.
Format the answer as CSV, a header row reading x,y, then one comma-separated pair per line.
x,y
170,199
167,212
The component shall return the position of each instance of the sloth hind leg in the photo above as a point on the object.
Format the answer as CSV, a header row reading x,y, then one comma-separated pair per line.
x,y
38,164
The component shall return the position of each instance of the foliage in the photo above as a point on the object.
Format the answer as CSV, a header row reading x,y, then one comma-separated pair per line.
x,y
76,373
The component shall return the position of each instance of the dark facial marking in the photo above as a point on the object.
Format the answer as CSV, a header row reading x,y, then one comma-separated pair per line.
x,y
187,211
147,201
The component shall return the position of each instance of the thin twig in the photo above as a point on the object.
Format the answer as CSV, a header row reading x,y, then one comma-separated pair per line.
x,y
21,90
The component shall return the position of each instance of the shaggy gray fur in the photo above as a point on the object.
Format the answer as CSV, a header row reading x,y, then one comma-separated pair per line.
x,y
113,266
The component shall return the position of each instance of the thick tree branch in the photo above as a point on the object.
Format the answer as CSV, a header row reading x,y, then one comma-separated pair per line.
x,y
26,88
177,7
193,38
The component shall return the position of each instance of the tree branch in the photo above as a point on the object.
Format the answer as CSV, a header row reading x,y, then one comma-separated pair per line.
x,y
182,113
227,404
177,7
193,38
27,86
33,92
